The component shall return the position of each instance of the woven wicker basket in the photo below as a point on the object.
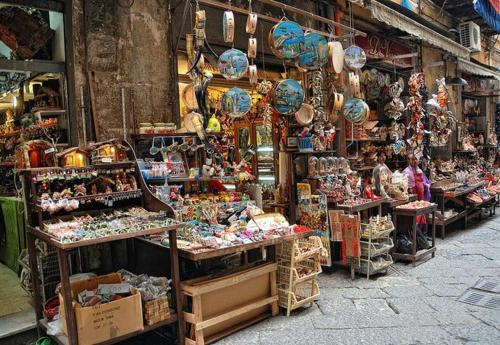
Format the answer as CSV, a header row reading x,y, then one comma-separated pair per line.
x,y
156,310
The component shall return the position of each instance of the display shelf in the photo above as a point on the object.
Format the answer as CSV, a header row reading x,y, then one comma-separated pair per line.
x,y
302,295
395,203
26,130
62,339
297,152
378,235
191,179
83,243
452,219
376,140
374,249
419,255
8,164
100,166
361,207
416,211
174,135
94,198
368,267
467,190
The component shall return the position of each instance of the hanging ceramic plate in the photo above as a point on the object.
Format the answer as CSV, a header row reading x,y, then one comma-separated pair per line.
x,y
235,102
233,64
288,96
337,57
287,39
354,57
305,114
315,54
355,110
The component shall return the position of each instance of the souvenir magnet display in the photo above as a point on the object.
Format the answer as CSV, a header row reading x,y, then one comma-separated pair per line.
x,y
286,39
287,96
315,54
354,57
252,74
235,102
233,64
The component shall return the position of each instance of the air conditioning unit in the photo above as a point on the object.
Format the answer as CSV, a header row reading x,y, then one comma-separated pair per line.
x,y
470,36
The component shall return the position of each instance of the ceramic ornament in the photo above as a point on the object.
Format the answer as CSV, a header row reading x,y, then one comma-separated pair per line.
x,y
355,110
315,54
287,96
354,57
286,39
236,102
233,64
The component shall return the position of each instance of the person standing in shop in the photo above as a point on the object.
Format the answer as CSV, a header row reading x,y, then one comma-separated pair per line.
x,y
418,184
381,174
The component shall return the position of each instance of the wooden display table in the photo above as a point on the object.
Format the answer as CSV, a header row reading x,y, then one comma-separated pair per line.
x,y
388,205
413,213
357,209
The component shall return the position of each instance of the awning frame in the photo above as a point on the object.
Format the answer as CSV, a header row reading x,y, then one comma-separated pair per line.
x,y
476,69
395,19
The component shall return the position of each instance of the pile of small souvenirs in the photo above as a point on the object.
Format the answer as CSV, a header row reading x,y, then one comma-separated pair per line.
x,y
117,222
415,205
251,225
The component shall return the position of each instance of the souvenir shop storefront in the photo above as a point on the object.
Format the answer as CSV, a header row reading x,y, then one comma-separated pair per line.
x,y
301,144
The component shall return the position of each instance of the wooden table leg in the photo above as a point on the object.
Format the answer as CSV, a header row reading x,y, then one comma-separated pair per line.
x,y
414,238
443,229
176,282
35,278
62,257
395,233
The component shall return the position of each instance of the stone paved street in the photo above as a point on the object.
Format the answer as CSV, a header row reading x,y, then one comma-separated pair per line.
x,y
411,305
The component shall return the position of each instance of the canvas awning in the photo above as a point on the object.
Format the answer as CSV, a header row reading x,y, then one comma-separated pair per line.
x,y
476,69
395,19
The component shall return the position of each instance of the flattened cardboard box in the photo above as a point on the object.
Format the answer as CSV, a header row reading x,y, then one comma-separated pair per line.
x,y
106,321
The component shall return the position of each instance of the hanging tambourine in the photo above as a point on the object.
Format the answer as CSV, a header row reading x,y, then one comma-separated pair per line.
x,y
251,23
336,56
228,27
236,102
287,96
315,53
355,110
252,48
305,114
286,40
252,74
354,57
233,64
189,97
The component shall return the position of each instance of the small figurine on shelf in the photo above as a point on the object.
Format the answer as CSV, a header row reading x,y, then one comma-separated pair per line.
x,y
93,189
66,193
108,190
119,185
133,183
80,190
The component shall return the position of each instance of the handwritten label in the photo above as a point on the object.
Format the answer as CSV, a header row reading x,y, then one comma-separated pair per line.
x,y
50,150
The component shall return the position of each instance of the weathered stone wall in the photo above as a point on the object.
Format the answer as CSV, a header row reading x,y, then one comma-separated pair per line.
x,y
115,48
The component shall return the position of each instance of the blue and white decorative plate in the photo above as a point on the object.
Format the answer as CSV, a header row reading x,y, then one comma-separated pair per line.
x,y
315,54
354,57
287,39
287,96
355,110
233,64
236,102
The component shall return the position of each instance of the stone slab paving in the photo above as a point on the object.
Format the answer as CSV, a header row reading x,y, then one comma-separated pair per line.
x,y
411,305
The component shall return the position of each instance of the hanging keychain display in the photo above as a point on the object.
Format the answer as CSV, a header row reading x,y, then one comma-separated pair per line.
x,y
228,25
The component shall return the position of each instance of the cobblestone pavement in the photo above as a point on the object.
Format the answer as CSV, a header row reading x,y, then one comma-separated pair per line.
x,y
410,305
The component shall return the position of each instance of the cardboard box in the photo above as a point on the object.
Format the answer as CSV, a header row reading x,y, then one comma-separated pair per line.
x,y
105,321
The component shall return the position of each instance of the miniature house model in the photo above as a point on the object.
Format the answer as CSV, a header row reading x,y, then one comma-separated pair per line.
x,y
108,152
73,157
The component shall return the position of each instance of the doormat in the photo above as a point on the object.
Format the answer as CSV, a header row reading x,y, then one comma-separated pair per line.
x,y
488,285
481,298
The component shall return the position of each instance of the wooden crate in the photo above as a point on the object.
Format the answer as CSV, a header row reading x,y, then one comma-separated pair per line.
x,y
156,310
216,307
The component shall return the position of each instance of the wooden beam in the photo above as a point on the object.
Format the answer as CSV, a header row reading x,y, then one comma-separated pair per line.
x,y
31,66
45,5
218,4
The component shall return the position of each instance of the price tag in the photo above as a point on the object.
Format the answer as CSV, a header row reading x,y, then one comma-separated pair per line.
x,y
106,160
49,150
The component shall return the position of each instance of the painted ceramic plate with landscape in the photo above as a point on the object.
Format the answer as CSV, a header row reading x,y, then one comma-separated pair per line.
x,y
355,110
354,57
288,96
315,54
233,64
287,39
235,102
